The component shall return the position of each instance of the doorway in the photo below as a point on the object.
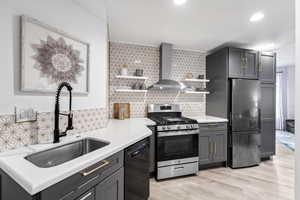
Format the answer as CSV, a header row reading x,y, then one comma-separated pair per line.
x,y
283,135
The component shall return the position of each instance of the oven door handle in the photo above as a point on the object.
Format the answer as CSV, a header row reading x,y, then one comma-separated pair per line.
x,y
177,133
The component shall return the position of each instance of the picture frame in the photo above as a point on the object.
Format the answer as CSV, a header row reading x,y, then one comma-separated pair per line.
x,y
50,56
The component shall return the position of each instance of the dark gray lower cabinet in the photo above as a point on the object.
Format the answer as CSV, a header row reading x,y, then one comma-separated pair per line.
x,y
212,147
10,190
205,156
220,147
212,143
101,181
111,188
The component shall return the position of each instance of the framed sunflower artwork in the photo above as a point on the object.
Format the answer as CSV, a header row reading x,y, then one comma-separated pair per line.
x,y
50,56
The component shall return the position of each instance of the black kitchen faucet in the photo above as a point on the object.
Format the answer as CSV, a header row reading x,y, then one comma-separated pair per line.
x,y
56,132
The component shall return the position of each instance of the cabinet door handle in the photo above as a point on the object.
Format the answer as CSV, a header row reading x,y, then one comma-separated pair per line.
x,y
210,149
242,62
86,196
213,124
105,162
215,144
259,119
259,66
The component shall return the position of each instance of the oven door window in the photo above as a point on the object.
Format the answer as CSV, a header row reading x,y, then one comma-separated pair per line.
x,y
177,147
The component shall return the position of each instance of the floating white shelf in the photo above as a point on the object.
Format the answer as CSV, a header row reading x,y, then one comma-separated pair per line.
x,y
196,80
131,90
132,77
196,92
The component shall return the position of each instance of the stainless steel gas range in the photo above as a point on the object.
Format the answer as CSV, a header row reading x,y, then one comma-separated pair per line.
x,y
176,141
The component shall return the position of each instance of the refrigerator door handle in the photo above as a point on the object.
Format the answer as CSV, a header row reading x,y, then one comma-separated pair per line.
x,y
215,149
259,119
230,140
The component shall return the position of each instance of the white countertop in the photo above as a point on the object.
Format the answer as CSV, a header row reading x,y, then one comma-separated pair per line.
x,y
120,134
208,119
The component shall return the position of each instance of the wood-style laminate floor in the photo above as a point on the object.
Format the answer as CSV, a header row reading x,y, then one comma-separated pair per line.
x,y
272,180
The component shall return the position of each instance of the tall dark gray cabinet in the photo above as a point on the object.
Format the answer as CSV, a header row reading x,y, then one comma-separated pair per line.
x,y
267,77
224,66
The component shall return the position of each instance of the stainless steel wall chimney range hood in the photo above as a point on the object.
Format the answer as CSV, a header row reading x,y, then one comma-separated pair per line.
x,y
165,71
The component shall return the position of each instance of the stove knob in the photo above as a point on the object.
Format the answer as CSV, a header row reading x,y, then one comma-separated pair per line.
x,y
163,128
168,127
188,126
178,127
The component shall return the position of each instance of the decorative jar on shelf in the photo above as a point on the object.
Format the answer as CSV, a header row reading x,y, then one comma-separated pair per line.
x,y
124,70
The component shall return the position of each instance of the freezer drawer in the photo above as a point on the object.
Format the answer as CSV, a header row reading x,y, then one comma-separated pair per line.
x,y
245,150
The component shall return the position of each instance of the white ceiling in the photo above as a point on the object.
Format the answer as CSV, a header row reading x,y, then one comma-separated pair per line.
x,y
203,24
95,7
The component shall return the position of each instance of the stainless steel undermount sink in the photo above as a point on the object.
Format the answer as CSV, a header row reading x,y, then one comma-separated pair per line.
x,y
61,154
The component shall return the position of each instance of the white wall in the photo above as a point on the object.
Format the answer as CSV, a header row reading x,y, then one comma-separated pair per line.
x,y
66,15
297,97
290,92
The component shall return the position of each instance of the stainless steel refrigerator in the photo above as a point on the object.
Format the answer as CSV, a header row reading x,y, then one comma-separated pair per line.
x,y
244,135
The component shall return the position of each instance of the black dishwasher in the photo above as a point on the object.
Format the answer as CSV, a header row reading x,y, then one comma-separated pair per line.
x,y
137,171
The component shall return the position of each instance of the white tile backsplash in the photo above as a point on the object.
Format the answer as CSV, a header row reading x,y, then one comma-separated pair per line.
x,y
14,135
147,58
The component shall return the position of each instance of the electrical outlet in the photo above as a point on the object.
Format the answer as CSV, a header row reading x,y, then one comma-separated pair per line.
x,y
25,115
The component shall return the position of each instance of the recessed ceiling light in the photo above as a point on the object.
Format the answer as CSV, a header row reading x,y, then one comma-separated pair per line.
x,y
265,47
257,17
179,2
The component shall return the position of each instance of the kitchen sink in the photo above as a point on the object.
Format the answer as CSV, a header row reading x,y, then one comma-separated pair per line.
x,y
61,154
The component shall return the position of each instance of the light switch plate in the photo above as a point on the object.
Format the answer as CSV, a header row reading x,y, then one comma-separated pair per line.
x,y
25,115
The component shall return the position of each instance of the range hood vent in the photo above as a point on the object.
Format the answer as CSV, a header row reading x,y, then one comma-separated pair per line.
x,y
165,71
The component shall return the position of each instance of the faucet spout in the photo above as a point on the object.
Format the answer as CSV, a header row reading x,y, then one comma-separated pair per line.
x,y
57,113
